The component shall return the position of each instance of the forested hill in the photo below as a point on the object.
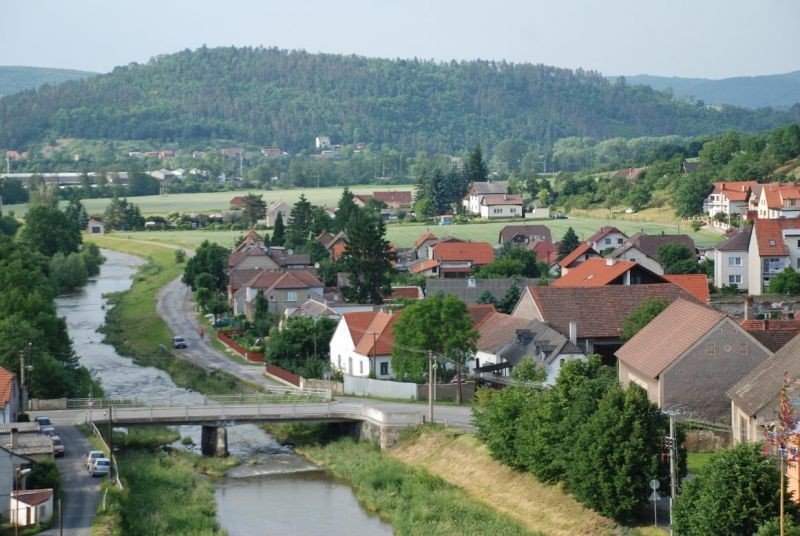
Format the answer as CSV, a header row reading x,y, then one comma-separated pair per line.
x,y
777,90
271,96
14,79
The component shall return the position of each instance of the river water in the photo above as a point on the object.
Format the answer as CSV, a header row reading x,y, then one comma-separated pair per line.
x,y
273,491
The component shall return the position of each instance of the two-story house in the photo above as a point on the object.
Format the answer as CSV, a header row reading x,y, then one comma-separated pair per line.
x,y
458,259
728,198
524,235
472,201
643,249
779,200
497,206
607,237
275,208
281,289
731,262
774,246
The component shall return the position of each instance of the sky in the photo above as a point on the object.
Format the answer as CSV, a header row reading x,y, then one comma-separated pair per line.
x,y
687,38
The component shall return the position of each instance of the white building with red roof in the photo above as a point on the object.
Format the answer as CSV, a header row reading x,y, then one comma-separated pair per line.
x,y
728,198
9,396
779,200
497,206
774,246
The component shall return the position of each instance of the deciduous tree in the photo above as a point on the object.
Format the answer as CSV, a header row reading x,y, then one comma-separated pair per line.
x,y
641,316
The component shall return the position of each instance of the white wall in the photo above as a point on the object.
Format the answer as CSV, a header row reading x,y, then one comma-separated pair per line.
x,y
382,388
341,348
723,268
638,256
554,368
500,211
755,281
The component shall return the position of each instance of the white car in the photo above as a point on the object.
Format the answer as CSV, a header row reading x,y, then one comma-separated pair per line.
x,y
92,456
45,426
100,467
58,446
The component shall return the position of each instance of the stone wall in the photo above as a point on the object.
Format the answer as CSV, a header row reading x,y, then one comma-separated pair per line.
x,y
707,440
446,392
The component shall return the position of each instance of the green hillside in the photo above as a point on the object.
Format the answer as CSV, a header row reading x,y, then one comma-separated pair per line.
x,y
15,79
287,98
776,91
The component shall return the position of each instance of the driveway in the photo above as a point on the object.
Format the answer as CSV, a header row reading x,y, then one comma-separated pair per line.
x,y
81,491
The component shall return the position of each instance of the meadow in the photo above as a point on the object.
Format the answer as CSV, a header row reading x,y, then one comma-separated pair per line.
x,y
404,235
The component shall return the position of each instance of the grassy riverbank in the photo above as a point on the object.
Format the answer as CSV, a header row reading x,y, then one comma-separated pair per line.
x,y
165,492
134,328
413,500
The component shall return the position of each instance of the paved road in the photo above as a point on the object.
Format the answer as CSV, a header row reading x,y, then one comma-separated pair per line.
x,y
81,490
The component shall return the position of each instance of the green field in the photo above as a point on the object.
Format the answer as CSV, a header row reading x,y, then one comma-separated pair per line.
x,y
404,235
218,201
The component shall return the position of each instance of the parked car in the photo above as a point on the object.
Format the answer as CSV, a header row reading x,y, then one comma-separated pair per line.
x,y
58,446
100,467
45,426
92,456
178,342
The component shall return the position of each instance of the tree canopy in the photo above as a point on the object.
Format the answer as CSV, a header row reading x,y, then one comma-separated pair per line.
x,y
677,259
641,316
787,282
50,231
367,259
568,243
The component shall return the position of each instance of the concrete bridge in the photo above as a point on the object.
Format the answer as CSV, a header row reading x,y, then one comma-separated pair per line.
x,y
214,414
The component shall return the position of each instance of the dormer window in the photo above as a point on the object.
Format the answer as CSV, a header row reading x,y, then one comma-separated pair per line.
x,y
772,243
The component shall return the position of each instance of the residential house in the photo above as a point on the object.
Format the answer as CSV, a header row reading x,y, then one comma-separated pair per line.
x,y
162,174
472,201
322,143
546,252
690,165
252,254
496,206
423,243
25,439
238,202
10,465
580,254
471,289
281,289
597,271
9,396
694,284
728,199
774,246
446,239
524,235
774,333
607,237
335,245
505,341
598,312
30,507
425,268
394,200
779,200
643,249
755,399
313,308
731,262
409,292
362,344
275,208
95,227
459,259
688,357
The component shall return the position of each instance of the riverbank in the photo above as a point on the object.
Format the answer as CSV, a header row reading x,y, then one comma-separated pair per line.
x,y
135,330
413,500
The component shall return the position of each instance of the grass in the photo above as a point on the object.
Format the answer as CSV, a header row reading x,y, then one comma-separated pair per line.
x,y
134,328
695,461
413,500
219,201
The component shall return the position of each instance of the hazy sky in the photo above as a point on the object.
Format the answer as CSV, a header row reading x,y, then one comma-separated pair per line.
x,y
692,38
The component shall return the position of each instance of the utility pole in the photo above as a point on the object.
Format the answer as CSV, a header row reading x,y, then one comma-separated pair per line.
x,y
111,437
672,480
430,386
22,380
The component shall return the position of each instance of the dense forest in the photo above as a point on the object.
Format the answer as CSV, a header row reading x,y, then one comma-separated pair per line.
x,y
286,98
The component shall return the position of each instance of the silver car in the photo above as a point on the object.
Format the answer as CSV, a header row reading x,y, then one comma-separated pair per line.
x,y
100,467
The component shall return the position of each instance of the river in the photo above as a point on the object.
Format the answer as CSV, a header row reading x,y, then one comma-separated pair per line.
x,y
273,491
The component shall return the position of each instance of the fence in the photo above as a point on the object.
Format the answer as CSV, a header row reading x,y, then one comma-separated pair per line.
x,y
447,392
255,357
284,375
115,466
358,386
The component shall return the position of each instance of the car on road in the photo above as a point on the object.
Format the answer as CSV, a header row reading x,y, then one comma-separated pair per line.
x,y
58,446
178,342
44,424
100,467
92,456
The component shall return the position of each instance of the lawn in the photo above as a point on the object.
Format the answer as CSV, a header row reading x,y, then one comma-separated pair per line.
x,y
218,201
695,461
404,235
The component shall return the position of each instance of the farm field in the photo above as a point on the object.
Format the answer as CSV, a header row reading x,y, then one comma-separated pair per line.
x,y
218,201
404,235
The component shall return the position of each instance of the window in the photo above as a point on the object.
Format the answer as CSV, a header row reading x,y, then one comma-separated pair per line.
x,y
619,241
734,261
497,211
798,263
291,296
513,210
711,348
340,361
735,279
772,243
607,241
384,369
632,259
798,243
361,367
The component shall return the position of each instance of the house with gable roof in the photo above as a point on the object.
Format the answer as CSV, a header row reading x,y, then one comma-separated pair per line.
x,y
607,237
281,289
524,235
275,208
472,201
731,261
498,206
580,254
422,244
643,249
728,198
774,246
597,272
394,200
9,396
779,200
458,259
362,344
689,356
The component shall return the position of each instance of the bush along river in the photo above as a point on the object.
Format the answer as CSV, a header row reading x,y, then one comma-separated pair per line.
x,y
272,491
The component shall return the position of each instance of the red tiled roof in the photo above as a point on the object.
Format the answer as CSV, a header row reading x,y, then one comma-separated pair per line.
x,y
6,386
338,250
357,323
601,234
696,284
594,272
478,252
774,334
32,497
668,336
776,193
501,199
421,240
735,191
412,293
770,237
403,198
284,280
378,338
237,201
599,311
423,266
545,251
479,312
582,249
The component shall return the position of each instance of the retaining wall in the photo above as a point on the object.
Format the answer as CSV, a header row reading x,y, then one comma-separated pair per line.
x,y
359,386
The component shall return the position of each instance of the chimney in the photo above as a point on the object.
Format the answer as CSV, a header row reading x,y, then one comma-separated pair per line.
x,y
573,332
748,308
610,262
14,432
766,323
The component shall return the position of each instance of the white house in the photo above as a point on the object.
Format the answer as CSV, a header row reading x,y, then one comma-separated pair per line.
x,y
95,227
495,206
472,201
779,200
731,262
30,506
607,237
322,143
10,466
774,246
362,344
728,198
9,396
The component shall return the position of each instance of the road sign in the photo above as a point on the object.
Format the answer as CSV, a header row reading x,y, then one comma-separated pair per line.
x,y
655,484
654,496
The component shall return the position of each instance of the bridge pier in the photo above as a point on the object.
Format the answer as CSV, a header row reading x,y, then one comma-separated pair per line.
x,y
214,441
